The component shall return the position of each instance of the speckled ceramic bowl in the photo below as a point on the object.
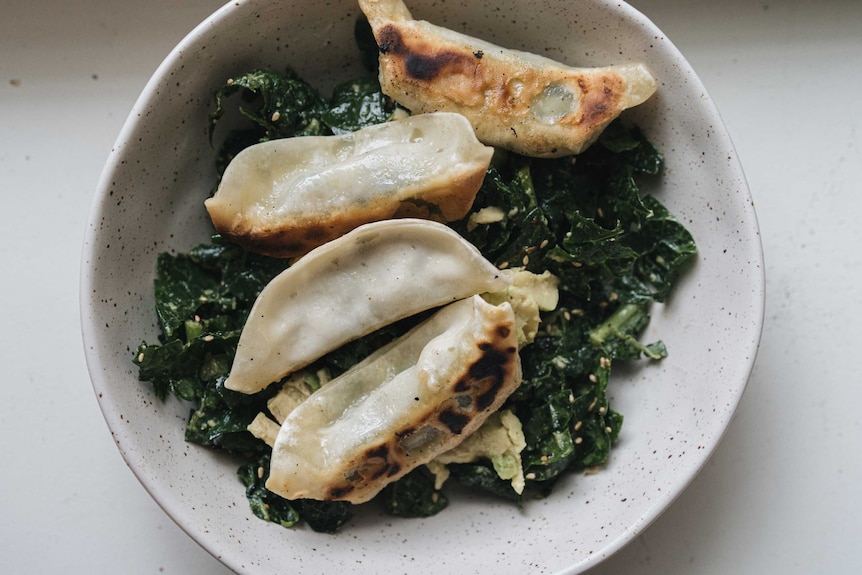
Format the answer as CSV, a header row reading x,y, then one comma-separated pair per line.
x,y
150,200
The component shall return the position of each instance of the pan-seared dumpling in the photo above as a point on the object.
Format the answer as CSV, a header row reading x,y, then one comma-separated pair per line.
x,y
373,276
400,408
516,100
284,197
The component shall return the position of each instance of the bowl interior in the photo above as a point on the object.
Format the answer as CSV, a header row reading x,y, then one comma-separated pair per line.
x,y
150,200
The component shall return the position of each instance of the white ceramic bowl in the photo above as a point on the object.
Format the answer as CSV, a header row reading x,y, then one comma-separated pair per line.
x,y
150,200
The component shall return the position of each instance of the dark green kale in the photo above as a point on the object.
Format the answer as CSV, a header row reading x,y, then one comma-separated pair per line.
x,y
278,104
413,495
366,44
202,301
264,503
324,516
321,516
615,252
481,475
274,105
357,104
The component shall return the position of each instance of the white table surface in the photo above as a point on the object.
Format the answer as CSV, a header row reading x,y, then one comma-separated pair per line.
x,y
780,495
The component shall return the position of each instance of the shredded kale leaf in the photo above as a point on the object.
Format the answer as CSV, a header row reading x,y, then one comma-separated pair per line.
x,y
357,104
615,251
413,495
321,516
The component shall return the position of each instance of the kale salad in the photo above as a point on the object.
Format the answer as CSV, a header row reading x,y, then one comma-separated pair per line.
x,y
583,218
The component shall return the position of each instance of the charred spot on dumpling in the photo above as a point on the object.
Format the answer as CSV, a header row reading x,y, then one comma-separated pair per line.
x,y
455,422
389,40
339,492
486,398
421,61
381,451
462,385
427,67
491,364
376,463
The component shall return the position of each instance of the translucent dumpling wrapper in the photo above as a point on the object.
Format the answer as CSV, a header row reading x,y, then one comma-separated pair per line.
x,y
373,276
284,197
404,405
516,100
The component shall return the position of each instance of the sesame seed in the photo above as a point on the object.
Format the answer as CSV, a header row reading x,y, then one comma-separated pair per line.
x,y
604,362
593,404
544,244
526,260
275,116
571,398
229,81
434,497
544,458
208,338
608,429
567,315
140,357
579,440
503,265
530,476
603,410
600,212
578,425
577,264
593,378
260,472
614,296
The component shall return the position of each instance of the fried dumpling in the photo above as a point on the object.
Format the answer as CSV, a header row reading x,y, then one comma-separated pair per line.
x,y
284,197
516,100
377,274
401,407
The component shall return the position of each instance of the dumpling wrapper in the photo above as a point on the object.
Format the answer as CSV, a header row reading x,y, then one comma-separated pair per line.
x,y
396,411
284,197
516,100
373,276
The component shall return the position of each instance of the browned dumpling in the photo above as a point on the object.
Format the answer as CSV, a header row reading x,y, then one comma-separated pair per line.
x,y
283,198
419,397
520,101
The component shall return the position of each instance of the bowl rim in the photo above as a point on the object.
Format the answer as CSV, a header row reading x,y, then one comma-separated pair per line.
x,y
90,330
